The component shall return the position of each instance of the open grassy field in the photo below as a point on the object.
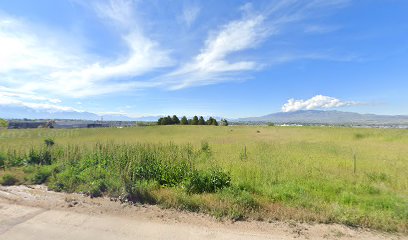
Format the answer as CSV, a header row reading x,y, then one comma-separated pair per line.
x,y
357,177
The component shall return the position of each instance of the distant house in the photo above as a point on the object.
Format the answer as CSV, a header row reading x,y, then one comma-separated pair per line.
x,y
26,124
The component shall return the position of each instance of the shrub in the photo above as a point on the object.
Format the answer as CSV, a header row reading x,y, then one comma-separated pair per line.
x,y
212,181
41,175
2,161
141,192
205,147
49,142
40,157
9,180
96,188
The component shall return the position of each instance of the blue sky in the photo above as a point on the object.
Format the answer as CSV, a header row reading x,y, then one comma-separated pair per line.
x,y
222,58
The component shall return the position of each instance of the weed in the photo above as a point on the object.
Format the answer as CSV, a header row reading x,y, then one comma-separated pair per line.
x,y
9,180
212,181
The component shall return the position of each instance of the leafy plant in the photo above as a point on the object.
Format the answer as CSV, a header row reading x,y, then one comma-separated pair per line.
x,y
212,181
49,142
9,180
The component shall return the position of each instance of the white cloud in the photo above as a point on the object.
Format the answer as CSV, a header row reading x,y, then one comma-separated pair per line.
x,y
49,107
37,62
10,97
212,64
316,102
190,14
11,93
223,56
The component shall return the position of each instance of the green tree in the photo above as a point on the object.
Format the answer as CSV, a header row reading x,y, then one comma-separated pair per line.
x,y
194,121
212,121
3,123
166,121
159,121
175,119
184,121
201,121
224,122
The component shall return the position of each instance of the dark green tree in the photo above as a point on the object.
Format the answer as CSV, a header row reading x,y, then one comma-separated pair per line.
x,y
184,121
194,121
169,120
166,121
159,121
175,119
224,122
201,121
212,121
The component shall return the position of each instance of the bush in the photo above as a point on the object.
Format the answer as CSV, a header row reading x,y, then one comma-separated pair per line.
x,y
9,180
205,147
49,142
41,175
209,182
96,188
40,157
2,161
141,192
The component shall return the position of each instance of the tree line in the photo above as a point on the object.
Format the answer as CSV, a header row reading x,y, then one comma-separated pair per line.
x,y
192,121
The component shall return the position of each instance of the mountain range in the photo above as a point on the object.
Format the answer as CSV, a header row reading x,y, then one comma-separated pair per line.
x,y
303,116
328,117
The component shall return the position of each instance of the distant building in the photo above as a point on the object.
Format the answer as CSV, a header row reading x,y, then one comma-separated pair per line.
x,y
67,124
26,124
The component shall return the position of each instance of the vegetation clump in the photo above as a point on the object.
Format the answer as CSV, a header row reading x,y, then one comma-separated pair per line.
x,y
3,123
9,180
207,182
194,121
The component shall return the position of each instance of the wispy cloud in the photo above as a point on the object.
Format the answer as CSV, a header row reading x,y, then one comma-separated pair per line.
x,y
7,100
320,29
223,56
316,102
144,55
190,14
38,65
211,64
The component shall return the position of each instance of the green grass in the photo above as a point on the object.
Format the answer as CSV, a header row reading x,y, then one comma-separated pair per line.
x,y
300,173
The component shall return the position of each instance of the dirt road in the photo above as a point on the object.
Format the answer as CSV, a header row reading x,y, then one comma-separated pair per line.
x,y
35,213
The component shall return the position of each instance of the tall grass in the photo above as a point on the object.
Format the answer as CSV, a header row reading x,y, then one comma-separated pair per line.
x,y
305,174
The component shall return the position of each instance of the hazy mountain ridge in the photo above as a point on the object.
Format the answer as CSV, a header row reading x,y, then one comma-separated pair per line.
x,y
327,117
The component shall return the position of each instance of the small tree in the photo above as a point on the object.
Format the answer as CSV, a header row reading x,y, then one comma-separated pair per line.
x,y
169,120
184,121
212,121
224,122
159,121
163,121
194,121
3,123
201,121
175,119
